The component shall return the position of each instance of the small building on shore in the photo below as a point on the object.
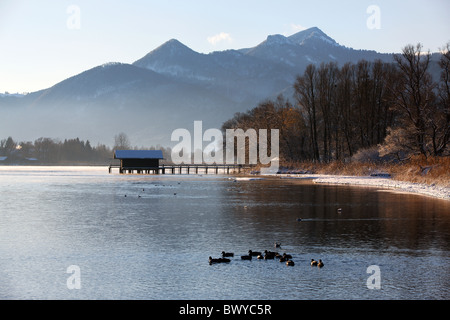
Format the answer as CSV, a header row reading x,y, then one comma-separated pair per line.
x,y
147,162
138,160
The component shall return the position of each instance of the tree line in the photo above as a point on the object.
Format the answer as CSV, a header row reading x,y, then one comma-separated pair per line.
x,y
396,108
54,151
69,151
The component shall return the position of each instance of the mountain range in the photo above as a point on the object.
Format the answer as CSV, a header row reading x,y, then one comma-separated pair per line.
x,y
169,88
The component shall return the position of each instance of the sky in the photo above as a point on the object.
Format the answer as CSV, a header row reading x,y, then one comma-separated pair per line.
x,y
43,42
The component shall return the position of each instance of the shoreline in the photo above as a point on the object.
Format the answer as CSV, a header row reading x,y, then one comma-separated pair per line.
x,y
434,191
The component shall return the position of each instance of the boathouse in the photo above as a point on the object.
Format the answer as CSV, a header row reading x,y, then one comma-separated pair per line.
x,y
147,162
138,160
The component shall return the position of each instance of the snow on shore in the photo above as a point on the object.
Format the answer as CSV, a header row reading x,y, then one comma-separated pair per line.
x,y
400,186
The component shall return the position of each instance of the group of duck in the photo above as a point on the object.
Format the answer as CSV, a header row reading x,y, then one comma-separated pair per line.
x,y
266,255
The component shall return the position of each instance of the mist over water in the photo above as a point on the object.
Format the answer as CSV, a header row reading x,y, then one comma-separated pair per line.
x,y
149,237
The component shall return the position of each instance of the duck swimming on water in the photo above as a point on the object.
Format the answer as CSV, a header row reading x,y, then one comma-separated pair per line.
x,y
313,263
320,263
287,256
254,253
218,260
227,254
290,263
270,254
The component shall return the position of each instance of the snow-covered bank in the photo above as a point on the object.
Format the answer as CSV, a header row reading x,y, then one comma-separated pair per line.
x,y
401,186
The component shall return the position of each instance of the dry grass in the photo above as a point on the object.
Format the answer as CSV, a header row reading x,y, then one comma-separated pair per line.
x,y
431,170
434,170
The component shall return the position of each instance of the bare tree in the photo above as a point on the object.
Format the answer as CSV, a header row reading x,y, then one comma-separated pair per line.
x,y
345,106
359,106
121,142
414,94
398,143
442,139
305,94
327,77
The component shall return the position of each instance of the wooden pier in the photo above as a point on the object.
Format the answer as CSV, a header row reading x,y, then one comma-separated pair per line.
x,y
181,169
147,162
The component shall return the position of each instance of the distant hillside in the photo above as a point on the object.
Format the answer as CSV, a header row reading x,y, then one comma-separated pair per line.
x,y
169,88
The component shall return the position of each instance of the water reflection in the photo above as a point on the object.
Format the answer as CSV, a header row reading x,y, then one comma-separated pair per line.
x,y
368,217
149,237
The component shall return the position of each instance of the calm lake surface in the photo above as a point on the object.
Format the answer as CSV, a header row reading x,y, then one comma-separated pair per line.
x,y
154,243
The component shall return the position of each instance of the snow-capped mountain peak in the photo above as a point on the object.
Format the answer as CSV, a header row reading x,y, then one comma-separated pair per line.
x,y
173,85
311,34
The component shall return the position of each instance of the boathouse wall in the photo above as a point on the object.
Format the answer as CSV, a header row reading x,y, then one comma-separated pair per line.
x,y
139,163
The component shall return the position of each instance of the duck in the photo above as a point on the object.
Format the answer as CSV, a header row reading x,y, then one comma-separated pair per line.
x,y
277,245
283,259
287,256
269,256
253,253
320,264
211,260
290,263
260,257
218,260
246,257
313,263
227,254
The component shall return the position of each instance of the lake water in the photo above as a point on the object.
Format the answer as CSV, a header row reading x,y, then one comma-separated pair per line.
x,y
149,237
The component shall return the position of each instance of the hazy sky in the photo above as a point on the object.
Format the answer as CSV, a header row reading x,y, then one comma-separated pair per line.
x,y
44,42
